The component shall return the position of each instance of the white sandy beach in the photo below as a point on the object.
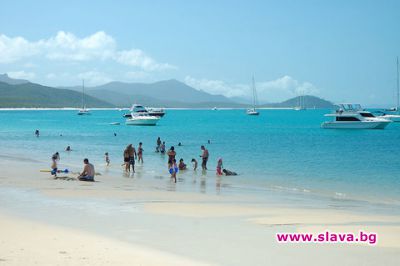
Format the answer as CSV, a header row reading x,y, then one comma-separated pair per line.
x,y
123,221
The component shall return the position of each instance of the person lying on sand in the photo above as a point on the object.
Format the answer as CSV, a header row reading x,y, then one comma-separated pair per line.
x,y
88,172
227,172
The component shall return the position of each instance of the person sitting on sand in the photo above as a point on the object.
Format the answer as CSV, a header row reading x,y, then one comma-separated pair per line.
x,y
227,172
54,166
88,171
182,165
107,158
194,162
219,166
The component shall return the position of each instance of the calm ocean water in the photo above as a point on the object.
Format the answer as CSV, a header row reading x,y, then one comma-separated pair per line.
x,y
281,149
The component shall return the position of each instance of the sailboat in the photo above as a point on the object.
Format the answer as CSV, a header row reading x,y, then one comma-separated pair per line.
x,y
253,111
394,113
300,103
83,110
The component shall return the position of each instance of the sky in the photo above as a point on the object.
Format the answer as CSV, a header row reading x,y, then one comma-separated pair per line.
x,y
343,51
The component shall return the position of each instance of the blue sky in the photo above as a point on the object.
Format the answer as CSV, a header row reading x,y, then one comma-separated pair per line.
x,y
339,50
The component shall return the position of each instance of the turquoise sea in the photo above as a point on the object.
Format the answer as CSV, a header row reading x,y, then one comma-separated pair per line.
x,y
283,151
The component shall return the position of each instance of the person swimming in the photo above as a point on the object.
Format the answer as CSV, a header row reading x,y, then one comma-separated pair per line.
x,y
68,148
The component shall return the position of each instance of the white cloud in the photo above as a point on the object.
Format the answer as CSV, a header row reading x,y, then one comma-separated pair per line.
x,y
217,87
65,46
21,75
268,91
138,58
13,49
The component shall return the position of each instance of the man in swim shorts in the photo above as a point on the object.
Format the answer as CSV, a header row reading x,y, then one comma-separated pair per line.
x,y
204,157
88,171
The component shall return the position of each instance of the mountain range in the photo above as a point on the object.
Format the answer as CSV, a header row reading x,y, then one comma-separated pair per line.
x,y
167,93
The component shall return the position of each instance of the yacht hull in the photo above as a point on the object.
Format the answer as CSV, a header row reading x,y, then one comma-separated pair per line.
x,y
141,122
356,125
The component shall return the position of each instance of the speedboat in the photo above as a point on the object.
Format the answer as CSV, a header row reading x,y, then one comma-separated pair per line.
x,y
141,117
352,116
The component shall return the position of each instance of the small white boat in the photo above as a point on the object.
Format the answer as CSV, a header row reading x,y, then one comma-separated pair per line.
x,y
141,117
253,111
352,116
83,110
156,111
392,117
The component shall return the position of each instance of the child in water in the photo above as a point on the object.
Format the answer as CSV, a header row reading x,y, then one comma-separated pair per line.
x,y
173,169
219,167
182,165
194,162
107,158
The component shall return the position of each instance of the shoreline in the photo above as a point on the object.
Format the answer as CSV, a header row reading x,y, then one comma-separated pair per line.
x,y
124,214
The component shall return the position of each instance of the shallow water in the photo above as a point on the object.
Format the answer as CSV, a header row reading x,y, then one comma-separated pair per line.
x,y
281,150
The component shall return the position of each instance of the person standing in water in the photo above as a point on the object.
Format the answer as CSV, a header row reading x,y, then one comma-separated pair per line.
x,y
54,166
204,157
140,152
107,158
126,160
171,154
37,133
132,156
158,144
219,167
162,148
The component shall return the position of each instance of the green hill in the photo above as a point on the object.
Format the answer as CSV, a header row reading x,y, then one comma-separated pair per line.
x,y
33,95
308,102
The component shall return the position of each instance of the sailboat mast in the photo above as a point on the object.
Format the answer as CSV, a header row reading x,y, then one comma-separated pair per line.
x,y
254,93
83,94
398,90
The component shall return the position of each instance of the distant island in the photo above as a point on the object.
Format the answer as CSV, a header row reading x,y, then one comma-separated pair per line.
x,y
18,93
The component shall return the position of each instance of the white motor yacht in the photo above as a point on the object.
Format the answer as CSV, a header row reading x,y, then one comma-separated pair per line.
x,y
352,116
141,117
